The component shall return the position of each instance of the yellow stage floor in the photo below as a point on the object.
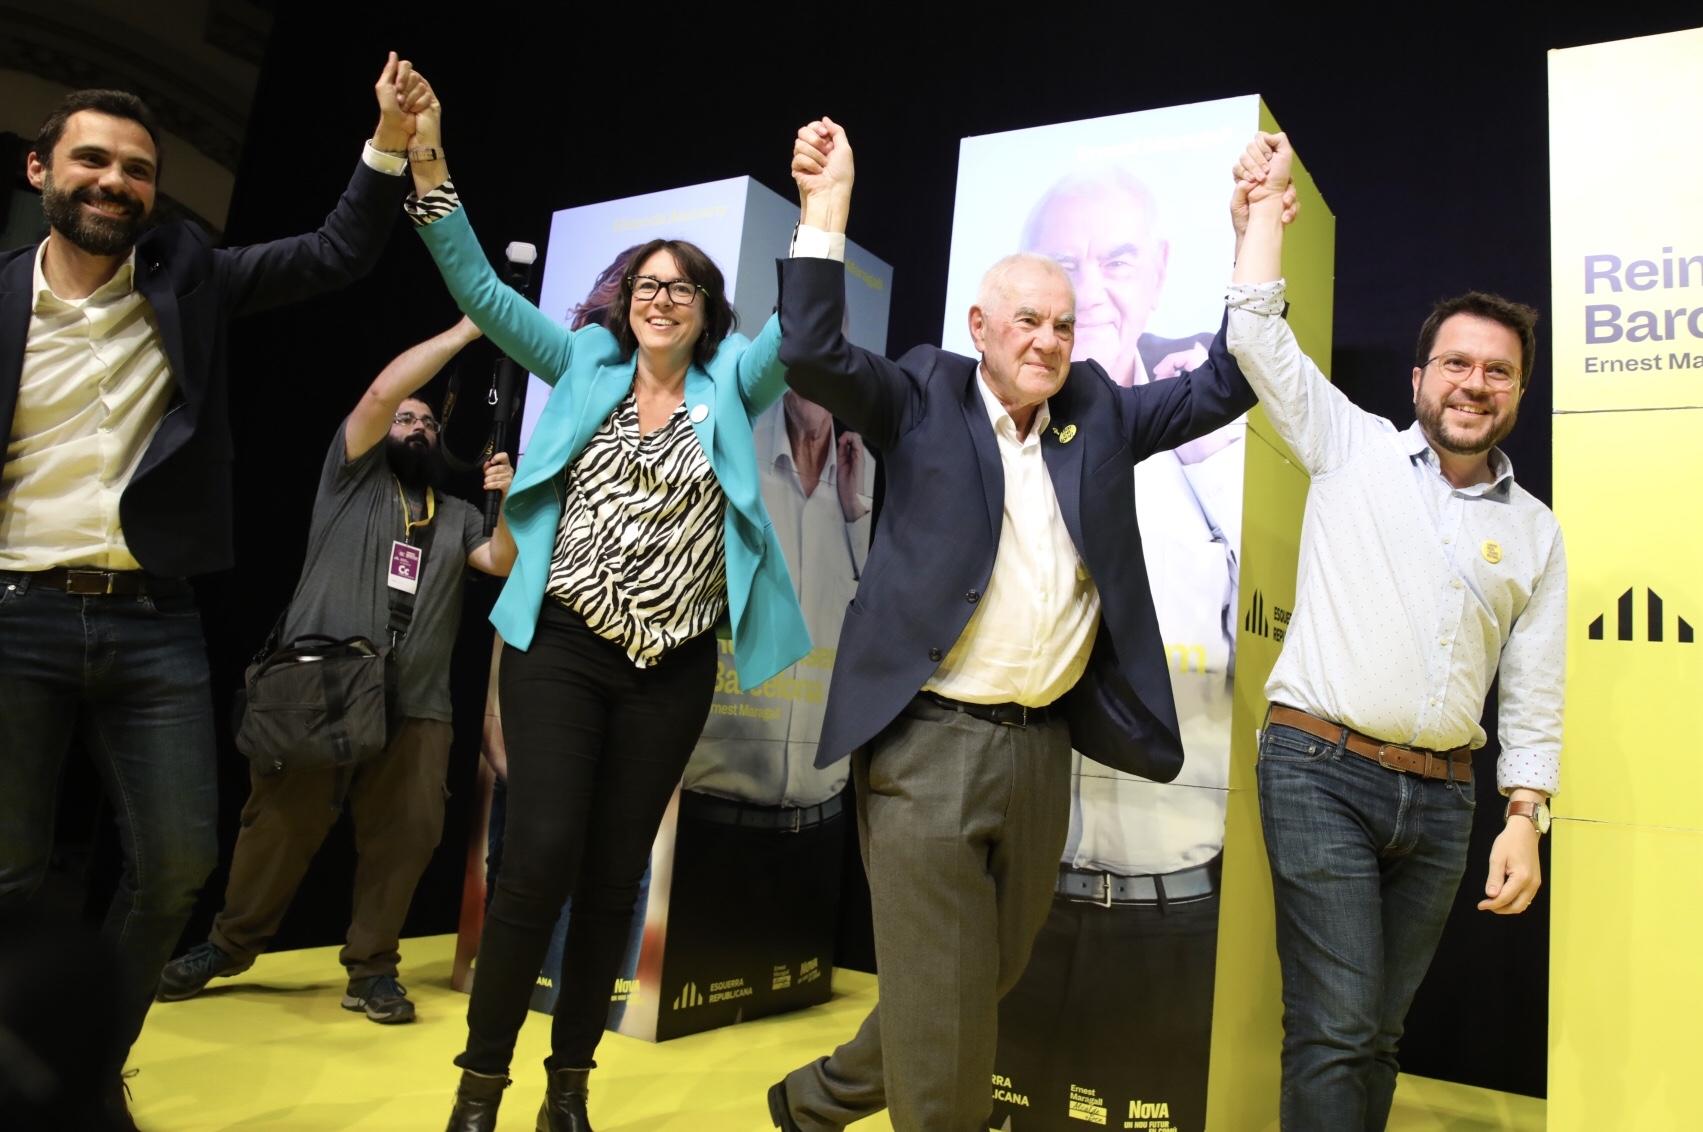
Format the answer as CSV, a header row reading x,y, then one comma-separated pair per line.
x,y
272,1049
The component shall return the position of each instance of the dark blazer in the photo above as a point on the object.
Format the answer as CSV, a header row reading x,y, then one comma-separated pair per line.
x,y
176,509
942,511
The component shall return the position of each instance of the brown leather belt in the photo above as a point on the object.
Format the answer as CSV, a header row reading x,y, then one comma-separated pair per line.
x,y
1455,765
86,581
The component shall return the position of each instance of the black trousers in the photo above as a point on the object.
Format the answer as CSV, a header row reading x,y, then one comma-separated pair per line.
x,y
1116,1003
596,747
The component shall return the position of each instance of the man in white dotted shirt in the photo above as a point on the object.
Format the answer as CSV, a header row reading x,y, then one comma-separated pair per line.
x,y
1424,568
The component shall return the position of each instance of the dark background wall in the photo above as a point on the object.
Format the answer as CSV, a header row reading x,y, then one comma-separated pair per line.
x,y
1426,131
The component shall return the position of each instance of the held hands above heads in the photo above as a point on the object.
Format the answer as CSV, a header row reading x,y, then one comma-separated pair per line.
x,y
402,93
1261,205
822,168
1254,177
1264,166
425,153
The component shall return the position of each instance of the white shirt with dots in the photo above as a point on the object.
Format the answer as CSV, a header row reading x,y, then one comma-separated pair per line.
x,y
1410,591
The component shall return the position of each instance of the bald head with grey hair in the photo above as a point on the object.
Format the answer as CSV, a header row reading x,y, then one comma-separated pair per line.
x,y
1023,324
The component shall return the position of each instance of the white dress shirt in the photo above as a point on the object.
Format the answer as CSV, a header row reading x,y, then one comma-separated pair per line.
x,y
1029,639
93,390
1409,590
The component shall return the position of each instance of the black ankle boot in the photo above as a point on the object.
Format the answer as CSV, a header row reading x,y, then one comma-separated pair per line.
x,y
476,1101
565,1092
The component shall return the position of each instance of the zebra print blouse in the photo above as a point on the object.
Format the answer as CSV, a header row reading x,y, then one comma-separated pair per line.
x,y
639,552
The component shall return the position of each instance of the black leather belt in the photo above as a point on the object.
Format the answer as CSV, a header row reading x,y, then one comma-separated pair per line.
x,y
86,581
747,815
1181,887
1006,714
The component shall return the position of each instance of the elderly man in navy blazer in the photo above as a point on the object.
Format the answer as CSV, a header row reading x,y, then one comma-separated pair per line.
x,y
1004,616
115,487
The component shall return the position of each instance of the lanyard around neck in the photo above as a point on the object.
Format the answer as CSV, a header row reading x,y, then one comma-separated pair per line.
x,y
408,524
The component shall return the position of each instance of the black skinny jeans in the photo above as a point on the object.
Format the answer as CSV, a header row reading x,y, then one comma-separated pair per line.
x,y
596,747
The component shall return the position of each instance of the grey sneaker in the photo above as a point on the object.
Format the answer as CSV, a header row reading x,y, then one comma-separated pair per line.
x,y
380,997
188,974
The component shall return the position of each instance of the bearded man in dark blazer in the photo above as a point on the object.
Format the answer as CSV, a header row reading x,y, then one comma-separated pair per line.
x,y
116,488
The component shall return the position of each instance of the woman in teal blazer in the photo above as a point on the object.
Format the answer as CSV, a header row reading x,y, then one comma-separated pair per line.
x,y
638,526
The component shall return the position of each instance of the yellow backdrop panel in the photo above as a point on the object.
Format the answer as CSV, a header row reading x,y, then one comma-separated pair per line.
x,y
1625,992
1623,488
1626,237
1627,241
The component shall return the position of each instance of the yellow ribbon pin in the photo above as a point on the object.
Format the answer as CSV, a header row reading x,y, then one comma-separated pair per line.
x,y
1066,434
1492,551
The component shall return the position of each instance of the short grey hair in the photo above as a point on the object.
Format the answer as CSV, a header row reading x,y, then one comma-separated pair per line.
x,y
996,281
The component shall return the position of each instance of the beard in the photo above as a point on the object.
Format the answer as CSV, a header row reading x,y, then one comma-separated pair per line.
x,y
97,235
1433,419
415,461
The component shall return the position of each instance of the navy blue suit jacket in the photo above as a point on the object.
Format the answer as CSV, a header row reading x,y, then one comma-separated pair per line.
x,y
176,509
942,512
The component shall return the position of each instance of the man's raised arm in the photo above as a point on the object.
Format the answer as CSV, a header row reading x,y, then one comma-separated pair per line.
x,y
861,388
1308,412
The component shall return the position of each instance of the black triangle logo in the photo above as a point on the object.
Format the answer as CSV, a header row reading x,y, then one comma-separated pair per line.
x,y
1627,623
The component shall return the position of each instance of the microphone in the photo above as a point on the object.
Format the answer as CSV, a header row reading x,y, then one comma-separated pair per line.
x,y
517,272
521,256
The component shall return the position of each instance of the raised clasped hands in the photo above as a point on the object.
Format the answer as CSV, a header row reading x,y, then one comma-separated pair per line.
x,y
404,99
823,170
1263,172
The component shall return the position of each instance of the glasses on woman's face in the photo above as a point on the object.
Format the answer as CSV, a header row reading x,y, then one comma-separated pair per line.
x,y
409,420
683,292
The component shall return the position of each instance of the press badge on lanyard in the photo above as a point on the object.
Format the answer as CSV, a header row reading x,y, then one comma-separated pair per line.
x,y
406,559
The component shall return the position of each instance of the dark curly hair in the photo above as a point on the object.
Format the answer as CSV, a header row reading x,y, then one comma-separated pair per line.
x,y
720,319
114,103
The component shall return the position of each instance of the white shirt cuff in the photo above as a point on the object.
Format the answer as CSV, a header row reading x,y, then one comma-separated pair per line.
x,y
1257,298
393,164
817,243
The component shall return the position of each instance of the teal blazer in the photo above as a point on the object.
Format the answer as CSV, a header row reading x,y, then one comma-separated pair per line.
x,y
589,379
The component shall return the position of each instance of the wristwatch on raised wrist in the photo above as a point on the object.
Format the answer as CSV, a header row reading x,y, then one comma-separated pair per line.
x,y
1538,812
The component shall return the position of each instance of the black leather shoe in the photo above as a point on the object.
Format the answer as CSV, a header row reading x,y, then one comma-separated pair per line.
x,y
565,1093
476,1101
779,1111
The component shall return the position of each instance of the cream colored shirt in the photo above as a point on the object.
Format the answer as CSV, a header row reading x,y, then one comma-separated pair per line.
x,y
94,387
1029,638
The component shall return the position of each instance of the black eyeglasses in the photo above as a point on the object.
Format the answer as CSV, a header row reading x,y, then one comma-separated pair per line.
x,y
408,420
682,291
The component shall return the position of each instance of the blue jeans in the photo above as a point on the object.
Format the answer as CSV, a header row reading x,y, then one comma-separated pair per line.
x,y
126,678
1365,864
